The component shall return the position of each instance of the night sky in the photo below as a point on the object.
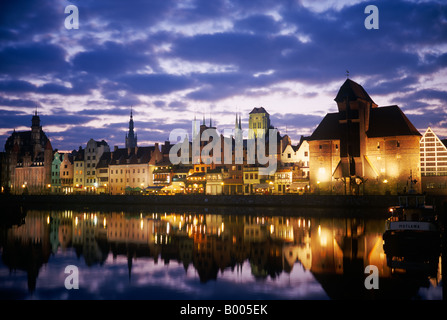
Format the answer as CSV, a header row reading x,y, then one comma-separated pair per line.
x,y
174,60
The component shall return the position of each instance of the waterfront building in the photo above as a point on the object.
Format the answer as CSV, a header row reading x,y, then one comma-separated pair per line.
x,y
4,173
28,158
66,173
196,183
102,173
131,169
363,148
162,174
92,154
255,182
78,171
55,173
433,163
282,180
215,181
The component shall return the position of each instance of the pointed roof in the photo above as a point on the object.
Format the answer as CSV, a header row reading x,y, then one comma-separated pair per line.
x,y
328,129
258,110
390,121
353,91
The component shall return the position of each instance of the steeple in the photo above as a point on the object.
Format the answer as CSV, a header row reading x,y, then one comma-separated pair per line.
x,y
131,137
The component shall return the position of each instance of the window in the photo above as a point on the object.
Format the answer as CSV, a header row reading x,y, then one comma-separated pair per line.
x,y
306,153
398,144
320,146
289,155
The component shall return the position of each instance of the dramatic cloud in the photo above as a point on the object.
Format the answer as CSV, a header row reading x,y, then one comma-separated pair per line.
x,y
174,60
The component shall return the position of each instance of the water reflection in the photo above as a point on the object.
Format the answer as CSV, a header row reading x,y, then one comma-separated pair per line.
x,y
277,257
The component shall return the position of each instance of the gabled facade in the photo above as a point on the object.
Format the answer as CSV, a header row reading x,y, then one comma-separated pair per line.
x,y
433,163
363,148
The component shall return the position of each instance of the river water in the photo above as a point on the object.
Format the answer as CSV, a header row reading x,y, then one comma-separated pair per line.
x,y
206,254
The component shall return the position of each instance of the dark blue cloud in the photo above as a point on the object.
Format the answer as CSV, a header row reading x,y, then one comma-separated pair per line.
x,y
258,24
155,83
120,46
111,59
33,59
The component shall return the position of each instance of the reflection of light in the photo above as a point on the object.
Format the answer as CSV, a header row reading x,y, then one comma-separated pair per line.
x,y
223,227
141,224
104,222
323,237
272,228
76,221
385,181
167,228
48,220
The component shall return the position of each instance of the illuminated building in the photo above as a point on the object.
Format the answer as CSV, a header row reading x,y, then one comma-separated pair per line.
x,y
258,123
363,148
433,163
29,155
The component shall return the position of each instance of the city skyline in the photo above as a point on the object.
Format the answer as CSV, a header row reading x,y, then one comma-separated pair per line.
x,y
172,61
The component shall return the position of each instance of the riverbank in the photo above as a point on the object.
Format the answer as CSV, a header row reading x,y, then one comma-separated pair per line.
x,y
319,201
318,205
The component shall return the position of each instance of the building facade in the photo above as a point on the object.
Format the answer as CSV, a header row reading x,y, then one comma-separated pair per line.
x,y
433,164
92,154
363,148
258,123
28,158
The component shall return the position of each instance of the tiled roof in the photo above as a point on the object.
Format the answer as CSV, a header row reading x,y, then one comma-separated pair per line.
x,y
328,129
258,110
389,121
352,90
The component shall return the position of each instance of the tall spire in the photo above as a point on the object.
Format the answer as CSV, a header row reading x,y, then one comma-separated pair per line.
x,y
131,137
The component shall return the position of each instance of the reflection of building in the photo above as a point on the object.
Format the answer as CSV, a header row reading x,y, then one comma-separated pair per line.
x,y
363,148
28,246
433,163
89,238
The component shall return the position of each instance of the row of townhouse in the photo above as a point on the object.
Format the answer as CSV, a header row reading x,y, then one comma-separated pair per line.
x,y
361,149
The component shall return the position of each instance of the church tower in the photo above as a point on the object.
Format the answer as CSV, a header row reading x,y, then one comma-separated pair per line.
x,y
36,130
131,137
